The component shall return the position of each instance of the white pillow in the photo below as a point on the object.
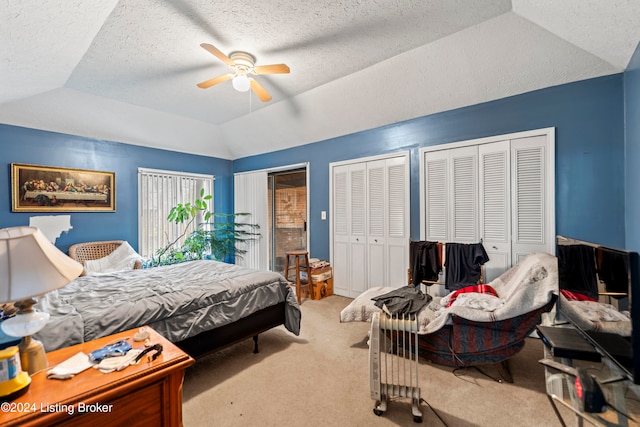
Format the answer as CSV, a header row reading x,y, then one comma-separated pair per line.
x,y
123,257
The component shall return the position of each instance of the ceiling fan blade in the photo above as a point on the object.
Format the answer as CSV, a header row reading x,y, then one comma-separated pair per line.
x,y
271,69
214,51
215,81
260,91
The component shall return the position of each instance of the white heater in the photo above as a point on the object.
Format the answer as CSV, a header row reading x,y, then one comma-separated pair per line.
x,y
393,362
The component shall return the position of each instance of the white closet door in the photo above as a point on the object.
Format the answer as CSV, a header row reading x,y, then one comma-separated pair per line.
x,y
495,206
530,197
340,222
376,232
464,195
358,228
513,207
397,203
370,224
452,195
436,176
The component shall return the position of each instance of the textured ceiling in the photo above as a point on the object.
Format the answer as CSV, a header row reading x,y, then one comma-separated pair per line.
x,y
127,71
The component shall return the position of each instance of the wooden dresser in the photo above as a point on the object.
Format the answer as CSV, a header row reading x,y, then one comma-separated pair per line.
x,y
146,394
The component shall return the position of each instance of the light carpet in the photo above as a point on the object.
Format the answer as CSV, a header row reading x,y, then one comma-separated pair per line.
x,y
321,378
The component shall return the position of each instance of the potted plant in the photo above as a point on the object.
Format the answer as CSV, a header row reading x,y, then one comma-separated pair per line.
x,y
219,236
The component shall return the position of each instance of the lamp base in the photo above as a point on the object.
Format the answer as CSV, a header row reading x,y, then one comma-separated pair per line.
x,y
25,323
32,355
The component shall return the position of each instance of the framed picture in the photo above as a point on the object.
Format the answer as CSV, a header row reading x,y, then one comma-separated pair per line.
x,y
53,189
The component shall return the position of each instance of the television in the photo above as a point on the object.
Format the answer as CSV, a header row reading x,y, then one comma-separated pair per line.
x,y
593,272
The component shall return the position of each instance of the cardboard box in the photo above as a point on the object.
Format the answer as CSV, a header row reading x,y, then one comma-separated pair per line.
x,y
322,289
318,274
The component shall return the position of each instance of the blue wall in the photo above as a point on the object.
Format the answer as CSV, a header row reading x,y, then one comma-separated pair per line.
x,y
20,145
590,149
632,154
588,117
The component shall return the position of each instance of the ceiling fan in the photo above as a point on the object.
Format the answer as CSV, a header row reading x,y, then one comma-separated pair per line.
x,y
242,64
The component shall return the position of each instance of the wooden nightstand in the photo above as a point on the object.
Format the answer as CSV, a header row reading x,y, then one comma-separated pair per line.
x,y
146,394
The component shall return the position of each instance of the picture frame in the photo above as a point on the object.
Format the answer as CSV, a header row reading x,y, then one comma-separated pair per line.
x,y
55,189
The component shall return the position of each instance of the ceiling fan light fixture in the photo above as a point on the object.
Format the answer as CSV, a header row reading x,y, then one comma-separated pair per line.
x,y
241,83
242,65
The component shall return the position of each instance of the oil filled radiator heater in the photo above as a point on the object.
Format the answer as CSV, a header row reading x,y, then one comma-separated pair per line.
x,y
393,361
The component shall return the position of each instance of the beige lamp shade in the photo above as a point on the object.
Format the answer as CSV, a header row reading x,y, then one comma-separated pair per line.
x,y
30,265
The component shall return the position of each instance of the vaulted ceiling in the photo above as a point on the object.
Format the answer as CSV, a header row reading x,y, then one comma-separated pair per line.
x,y
126,71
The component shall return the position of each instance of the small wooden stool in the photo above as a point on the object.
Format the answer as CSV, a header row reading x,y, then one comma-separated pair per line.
x,y
304,265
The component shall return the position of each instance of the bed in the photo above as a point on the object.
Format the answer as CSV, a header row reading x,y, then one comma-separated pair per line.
x,y
201,306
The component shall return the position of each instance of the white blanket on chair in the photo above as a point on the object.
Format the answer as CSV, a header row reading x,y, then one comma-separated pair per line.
x,y
525,287
122,258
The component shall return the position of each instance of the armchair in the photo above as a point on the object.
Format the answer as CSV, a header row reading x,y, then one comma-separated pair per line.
x,y
464,335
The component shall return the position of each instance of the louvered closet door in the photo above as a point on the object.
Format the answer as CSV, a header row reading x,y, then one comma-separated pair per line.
x,y
495,206
376,232
370,224
397,226
388,222
512,206
529,197
452,195
358,229
464,195
436,176
340,222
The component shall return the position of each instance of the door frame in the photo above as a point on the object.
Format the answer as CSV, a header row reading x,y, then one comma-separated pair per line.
x,y
284,168
293,169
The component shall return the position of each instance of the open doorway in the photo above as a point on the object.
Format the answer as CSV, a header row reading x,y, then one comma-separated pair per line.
x,y
287,215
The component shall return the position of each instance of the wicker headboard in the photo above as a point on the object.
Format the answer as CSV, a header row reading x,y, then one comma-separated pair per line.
x,y
82,252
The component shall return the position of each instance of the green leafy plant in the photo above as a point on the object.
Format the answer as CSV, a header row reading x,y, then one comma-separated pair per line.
x,y
217,237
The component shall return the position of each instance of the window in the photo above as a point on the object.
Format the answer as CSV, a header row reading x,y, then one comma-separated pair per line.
x,y
158,192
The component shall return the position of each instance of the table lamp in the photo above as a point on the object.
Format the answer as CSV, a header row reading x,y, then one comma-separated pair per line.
x,y
30,266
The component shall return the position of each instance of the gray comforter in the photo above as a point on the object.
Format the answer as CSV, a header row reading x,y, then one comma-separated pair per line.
x,y
179,301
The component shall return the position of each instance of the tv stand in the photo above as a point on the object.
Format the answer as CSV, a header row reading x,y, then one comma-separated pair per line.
x,y
621,396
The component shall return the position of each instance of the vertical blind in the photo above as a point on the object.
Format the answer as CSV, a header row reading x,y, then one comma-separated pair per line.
x,y
158,192
250,191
